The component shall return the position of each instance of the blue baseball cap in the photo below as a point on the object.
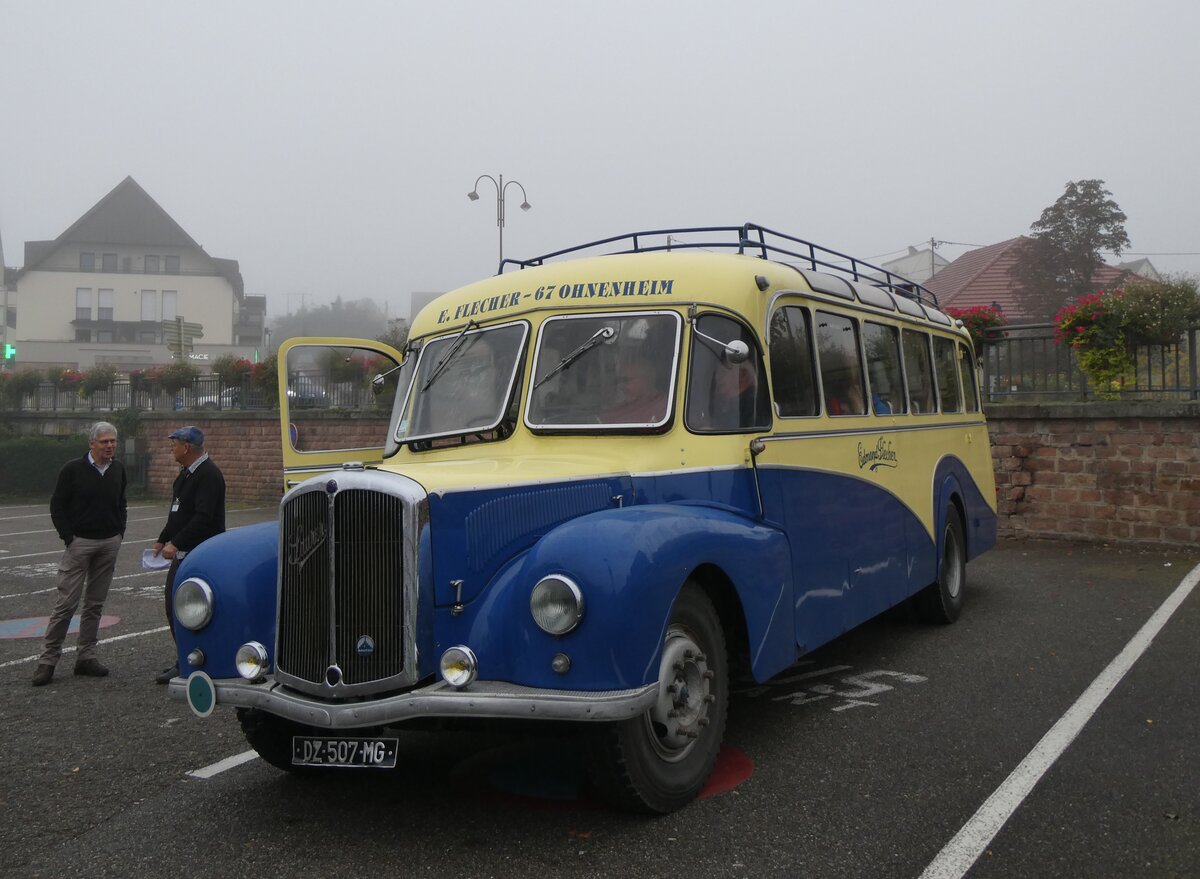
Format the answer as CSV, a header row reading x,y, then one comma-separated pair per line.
x,y
190,435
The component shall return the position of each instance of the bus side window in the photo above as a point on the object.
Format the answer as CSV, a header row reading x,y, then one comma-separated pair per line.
x,y
841,364
946,360
725,396
793,380
883,369
918,370
967,364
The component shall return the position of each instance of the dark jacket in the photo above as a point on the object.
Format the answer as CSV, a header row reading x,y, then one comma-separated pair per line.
x,y
86,504
197,507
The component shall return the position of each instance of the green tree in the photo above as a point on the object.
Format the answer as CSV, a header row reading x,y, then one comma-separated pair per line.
x,y
396,335
1058,261
356,318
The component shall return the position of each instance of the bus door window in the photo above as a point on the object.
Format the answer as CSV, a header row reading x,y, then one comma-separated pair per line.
x,y
918,370
883,368
967,363
841,364
945,359
725,396
793,379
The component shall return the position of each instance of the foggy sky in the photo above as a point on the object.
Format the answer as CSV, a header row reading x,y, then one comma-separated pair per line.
x,y
329,148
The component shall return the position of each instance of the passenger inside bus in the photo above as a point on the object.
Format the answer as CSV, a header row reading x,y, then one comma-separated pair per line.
x,y
642,398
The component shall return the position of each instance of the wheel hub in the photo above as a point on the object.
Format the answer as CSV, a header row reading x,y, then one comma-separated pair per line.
x,y
684,693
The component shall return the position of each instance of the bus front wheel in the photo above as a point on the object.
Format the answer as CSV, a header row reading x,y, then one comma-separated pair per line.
x,y
660,761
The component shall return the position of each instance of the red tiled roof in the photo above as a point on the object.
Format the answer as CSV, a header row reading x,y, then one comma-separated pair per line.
x,y
981,277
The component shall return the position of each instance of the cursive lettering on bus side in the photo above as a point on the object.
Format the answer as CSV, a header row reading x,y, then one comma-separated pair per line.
x,y
880,456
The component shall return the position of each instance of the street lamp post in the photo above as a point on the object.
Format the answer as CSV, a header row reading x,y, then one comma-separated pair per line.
x,y
500,187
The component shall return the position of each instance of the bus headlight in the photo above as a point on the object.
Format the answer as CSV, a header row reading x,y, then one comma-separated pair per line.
x,y
194,604
556,604
251,660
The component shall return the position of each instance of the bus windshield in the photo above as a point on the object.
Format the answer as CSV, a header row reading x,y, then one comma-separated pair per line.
x,y
616,370
463,383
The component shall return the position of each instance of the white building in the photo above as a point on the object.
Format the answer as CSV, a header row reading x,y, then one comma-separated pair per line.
x,y
100,292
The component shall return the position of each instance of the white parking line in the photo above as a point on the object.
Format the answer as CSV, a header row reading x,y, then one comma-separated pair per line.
x,y
55,588
47,512
221,765
67,650
953,861
52,531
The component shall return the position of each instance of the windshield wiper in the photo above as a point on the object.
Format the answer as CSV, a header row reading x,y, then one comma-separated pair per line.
x,y
455,347
601,335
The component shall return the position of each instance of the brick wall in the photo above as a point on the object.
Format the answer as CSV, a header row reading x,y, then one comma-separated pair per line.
x,y
1122,472
246,446
1112,472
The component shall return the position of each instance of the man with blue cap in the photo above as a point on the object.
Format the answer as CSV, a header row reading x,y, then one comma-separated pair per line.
x,y
197,512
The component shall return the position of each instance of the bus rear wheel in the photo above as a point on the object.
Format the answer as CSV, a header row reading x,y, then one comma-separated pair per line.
x,y
942,600
660,761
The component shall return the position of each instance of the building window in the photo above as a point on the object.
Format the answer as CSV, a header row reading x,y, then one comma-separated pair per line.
x,y
83,303
151,264
108,262
105,336
87,262
149,305
11,319
104,306
83,335
171,265
147,337
169,307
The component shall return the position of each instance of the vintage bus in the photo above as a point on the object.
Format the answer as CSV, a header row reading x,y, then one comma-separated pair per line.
x,y
587,489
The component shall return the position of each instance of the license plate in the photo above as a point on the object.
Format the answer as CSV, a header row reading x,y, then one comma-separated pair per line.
x,y
361,753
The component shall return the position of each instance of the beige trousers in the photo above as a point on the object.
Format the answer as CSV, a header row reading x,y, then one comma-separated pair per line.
x,y
86,572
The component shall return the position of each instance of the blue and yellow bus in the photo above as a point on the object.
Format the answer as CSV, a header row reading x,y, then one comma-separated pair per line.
x,y
585,488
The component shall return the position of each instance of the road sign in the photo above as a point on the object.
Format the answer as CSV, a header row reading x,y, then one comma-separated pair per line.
x,y
179,335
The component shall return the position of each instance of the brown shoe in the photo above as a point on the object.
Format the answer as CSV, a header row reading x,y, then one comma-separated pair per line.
x,y
91,668
42,675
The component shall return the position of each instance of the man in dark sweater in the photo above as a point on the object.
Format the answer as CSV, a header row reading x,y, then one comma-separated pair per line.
x,y
89,512
197,513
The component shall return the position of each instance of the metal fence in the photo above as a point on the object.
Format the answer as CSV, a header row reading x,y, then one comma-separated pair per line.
x,y
1020,362
1025,363
206,393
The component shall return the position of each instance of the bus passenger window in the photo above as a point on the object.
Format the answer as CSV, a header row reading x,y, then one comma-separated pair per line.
x,y
883,368
918,370
792,378
841,364
946,360
970,386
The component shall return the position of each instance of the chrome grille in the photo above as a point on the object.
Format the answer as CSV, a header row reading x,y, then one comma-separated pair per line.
x,y
342,623
368,572
304,607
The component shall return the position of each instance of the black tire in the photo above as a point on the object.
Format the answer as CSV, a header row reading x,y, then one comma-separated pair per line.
x,y
271,737
660,761
942,600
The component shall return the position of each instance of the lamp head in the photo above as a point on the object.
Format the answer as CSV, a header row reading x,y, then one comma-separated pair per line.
x,y
525,205
473,195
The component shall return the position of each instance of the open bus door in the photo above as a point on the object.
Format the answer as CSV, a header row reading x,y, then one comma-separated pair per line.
x,y
332,410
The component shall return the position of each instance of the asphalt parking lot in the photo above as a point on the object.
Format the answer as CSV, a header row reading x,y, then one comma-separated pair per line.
x,y
1053,731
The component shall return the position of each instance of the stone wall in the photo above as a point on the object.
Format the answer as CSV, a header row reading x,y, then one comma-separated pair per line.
x,y
1116,472
1119,472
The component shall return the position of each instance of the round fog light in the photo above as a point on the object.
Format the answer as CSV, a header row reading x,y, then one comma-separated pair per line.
x,y
251,660
561,663
459,666
556,604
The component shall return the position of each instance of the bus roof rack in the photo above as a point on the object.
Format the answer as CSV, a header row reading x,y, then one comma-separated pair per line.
x,y
749,239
